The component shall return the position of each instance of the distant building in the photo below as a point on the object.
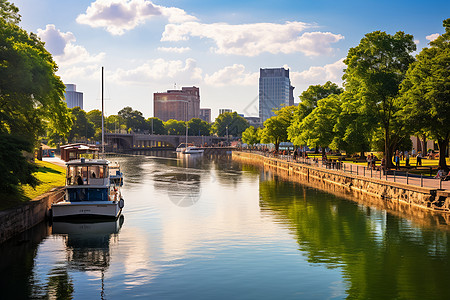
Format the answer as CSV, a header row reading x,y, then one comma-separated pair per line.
x,y
224,110
205,114
253,121
181,105
275,91
72,97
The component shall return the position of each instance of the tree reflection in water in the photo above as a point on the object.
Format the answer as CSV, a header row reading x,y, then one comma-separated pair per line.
x,y
381,255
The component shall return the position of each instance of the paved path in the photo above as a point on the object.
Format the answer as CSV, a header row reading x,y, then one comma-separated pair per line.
x,y
55,160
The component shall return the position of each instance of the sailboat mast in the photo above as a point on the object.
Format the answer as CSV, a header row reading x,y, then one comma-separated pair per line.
x,y
103,122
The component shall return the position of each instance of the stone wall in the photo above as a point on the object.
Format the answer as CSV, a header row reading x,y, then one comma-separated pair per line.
x,y
362,189
18,219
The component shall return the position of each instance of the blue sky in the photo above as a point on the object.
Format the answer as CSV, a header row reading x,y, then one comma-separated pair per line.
x,y
219,46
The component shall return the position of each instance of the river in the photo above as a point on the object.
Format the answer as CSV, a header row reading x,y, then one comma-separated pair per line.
x,y
210,228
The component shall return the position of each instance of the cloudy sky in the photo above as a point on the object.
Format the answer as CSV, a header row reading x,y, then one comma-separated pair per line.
x,y
151,46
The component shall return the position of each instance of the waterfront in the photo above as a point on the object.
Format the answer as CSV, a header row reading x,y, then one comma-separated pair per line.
x,y
211,228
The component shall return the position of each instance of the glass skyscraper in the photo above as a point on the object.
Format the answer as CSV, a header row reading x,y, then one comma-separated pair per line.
x,y
275,91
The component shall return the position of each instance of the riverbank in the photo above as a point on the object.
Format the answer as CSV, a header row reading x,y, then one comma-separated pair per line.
x,y
376,190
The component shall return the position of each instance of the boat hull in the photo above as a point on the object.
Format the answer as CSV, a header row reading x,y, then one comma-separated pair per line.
x,y
85,209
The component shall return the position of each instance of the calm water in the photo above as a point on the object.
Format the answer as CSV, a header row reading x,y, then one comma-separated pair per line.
x,y
213,229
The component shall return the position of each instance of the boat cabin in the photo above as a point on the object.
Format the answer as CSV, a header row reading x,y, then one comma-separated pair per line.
x,y
87,180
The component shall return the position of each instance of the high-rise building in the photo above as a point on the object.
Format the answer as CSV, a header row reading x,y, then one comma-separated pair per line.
x,y
181,105
205,114
72,97
224,110
275,91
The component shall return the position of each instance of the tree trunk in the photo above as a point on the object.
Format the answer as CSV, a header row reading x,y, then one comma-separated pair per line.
x,y
424,145
443,144
387,149
362,154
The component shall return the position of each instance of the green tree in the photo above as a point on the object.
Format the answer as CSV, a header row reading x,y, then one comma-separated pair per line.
x,y
229,122
175,127
426,92
375,69
30,97
275,128
309,99
198,127
353,128
156,126
250,136
317,129
133,119
82,128
115,123
95,117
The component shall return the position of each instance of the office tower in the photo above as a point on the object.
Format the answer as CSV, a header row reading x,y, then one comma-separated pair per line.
x,y
205,114
275,91
72,97
181,105
224,110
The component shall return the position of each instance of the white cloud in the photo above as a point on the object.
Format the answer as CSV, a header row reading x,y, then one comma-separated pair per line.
x,y
232,75
161,71
75,73
61,46
254,39
118,16
432,37
174,49
319,75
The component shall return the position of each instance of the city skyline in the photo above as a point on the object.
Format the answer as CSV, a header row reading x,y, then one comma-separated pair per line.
x,y
148,47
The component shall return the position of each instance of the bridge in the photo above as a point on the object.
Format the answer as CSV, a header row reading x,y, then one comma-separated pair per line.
x,y
133,141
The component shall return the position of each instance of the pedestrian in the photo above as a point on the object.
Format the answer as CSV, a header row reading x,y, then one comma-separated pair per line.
x,y
397,160
406,158
419,159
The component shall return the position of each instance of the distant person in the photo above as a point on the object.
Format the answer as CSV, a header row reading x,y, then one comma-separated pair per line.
x,y
406,158
93,175
79,180
419,159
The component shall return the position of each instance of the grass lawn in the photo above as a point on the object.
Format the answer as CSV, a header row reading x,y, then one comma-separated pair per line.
x,y
49,176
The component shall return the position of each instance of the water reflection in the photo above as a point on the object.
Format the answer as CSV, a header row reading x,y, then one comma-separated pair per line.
x,y
86,249
381,255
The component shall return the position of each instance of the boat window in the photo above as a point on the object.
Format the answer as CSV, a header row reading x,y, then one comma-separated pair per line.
x,y
84,174
97,171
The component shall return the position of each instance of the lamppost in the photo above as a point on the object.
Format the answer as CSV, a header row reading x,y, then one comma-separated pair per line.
x,y
227,134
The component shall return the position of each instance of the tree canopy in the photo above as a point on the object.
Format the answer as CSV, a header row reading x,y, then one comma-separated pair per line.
x,y
229,122
198,127
175,127
426,92
250,136
375,69
275,128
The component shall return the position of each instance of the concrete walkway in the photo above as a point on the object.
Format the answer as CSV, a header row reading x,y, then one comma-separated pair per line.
x,y
55,160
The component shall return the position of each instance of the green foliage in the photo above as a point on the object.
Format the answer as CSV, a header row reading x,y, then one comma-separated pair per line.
x,y
275,128
229,122
375,69
82,128
9,12
175,127
426,93
95,117
250,136
115,123
133,119
14,167
198,127
317,129
156,126
309,99
30,97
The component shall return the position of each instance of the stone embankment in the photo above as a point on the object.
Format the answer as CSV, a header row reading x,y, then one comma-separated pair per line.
x,y
371,191
18,219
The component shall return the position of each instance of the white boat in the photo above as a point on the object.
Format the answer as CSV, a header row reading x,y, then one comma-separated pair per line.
x,y
193,150
181,147
89,192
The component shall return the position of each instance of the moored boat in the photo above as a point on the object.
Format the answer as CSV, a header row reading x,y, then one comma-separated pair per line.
x,y
89,192
193,150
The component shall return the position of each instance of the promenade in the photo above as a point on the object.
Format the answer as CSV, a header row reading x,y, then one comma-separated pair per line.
x,y
391,175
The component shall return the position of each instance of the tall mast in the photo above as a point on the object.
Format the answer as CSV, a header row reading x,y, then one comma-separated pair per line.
x,y
103,122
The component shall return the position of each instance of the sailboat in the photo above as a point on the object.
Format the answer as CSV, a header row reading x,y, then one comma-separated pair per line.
x,y
90,193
